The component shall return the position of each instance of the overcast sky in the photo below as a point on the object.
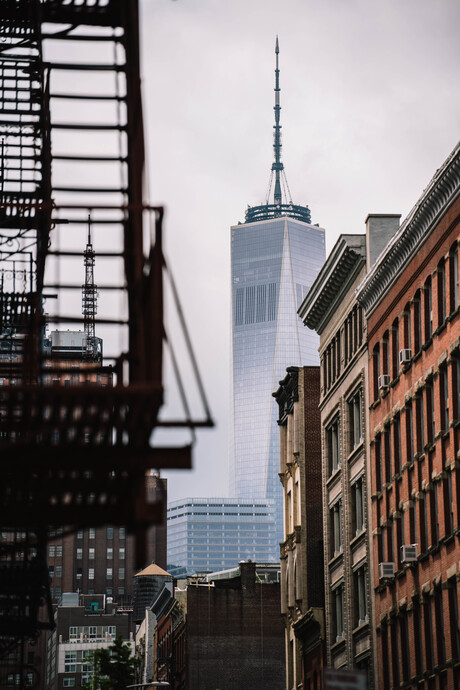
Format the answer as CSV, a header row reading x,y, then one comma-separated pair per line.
x,y
370,109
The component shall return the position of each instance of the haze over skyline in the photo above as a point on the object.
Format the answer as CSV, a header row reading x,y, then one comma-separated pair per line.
x,y
370,110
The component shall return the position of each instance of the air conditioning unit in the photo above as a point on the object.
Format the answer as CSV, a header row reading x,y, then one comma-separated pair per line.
x,y
386,570
405,356
409,553
384,381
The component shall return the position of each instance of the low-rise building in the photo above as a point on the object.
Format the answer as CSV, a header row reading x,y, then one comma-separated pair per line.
x,y
302,581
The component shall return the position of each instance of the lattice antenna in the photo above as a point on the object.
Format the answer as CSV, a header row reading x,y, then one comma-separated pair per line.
x,y
277,165
89,297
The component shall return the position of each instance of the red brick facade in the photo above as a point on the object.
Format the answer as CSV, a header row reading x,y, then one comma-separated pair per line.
x,y
414,377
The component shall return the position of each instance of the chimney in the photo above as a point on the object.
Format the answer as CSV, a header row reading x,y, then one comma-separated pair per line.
x,y
380,228
248,575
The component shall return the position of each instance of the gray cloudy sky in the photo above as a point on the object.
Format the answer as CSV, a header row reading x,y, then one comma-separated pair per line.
x,y
370,109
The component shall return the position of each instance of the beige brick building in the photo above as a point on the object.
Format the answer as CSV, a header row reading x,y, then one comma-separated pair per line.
x,y
331,309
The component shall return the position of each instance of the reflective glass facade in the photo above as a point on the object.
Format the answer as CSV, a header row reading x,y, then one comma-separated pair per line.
x,y
274,263
209,534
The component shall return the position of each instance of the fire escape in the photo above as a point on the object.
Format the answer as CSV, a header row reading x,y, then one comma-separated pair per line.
x,y
72,146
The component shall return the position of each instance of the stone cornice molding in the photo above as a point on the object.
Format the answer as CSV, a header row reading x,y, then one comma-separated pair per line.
x,y
437,198
333,281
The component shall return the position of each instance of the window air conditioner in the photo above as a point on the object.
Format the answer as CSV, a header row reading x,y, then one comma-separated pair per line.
x,y
386,570
384,381
409,553
405,356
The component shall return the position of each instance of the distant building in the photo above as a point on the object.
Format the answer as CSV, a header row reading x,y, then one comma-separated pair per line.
x,y
275,256
302,576
220,631
208,534
148,583
411,302
83,624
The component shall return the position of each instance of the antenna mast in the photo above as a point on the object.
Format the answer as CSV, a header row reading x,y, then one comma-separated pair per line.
x,y
89,297
277,165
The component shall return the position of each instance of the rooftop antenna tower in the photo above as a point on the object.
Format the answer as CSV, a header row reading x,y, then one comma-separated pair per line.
x,y
278,208
89,297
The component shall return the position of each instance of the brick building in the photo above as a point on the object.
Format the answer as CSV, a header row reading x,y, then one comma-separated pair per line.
x,y
302,584
411,302
332,310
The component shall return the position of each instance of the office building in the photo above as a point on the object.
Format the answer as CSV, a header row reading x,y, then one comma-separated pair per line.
x,y
275,256
411,302
207,534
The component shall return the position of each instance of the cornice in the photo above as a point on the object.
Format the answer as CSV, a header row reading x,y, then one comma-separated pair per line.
x,y
333,281
437,198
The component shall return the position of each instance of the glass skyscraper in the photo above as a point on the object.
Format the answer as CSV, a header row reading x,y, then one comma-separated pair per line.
x,y
274,263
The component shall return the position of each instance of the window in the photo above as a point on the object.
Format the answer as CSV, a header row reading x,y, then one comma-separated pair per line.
x,y
336,528
339,624
454,620
109,553
444,382
51,551
441,645
420,423
121,553
417,322
59,551
409,433
51,571
405,649
91,574
441,293
376,370
453,272
358,504
428,309
360,596
448,504
407,327
68,683
430,411
109,532
378,462
59,571
80,534
332,433
386,353
395,349
79,553
58,592
121,533
73,632
397,443
354,407
121,591
417,637
109,573
121,573
388,455
91,554
92,533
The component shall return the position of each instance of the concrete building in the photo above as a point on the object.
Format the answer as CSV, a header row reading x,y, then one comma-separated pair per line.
x,y
411,303
83,624
302,581
209,534
332,310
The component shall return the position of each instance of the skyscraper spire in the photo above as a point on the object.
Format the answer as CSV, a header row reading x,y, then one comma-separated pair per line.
x,y
89,297
277,165
278,208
